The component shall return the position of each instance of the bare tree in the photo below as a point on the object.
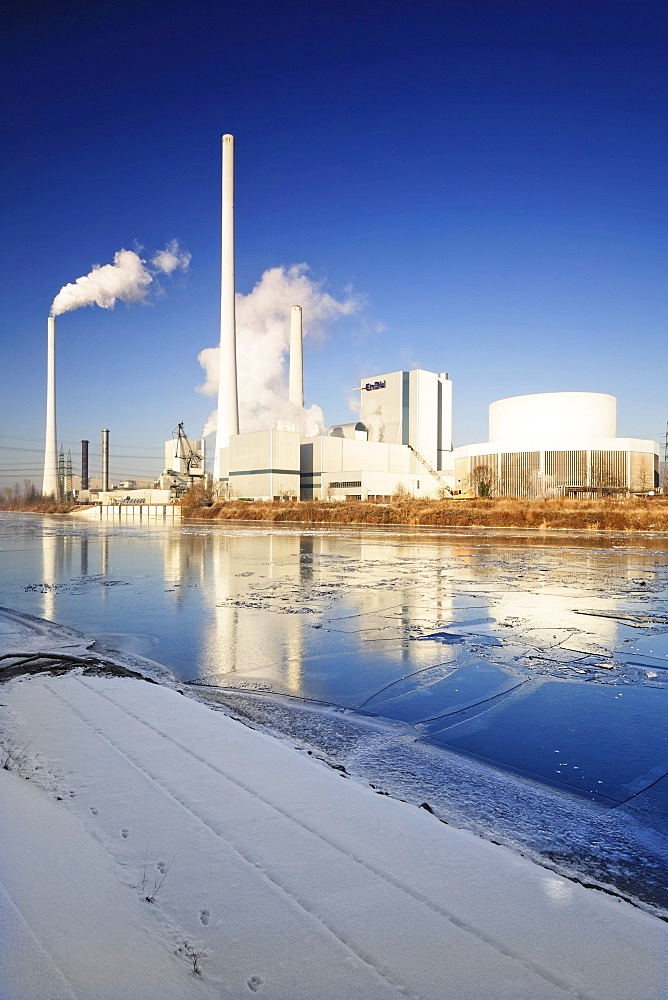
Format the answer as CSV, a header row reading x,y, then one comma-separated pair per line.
x,y
483,480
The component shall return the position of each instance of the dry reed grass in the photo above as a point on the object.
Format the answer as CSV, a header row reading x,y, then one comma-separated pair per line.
x,y
633,514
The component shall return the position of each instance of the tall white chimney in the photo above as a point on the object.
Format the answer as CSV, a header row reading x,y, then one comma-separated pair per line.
x,y
296,382
50,482
105,461
228,402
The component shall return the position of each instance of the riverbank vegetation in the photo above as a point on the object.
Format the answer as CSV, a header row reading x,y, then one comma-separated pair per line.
x,y
28,499
632,514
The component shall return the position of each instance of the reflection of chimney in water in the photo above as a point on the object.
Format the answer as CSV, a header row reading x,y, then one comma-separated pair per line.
x,y
294,653
84,554
51,562
306,557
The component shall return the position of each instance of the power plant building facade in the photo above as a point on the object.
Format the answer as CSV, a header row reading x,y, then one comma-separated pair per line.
x,y
263,464
402,440
354,460
410,408
556,444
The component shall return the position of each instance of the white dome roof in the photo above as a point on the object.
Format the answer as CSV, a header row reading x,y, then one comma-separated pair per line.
x,y
542,416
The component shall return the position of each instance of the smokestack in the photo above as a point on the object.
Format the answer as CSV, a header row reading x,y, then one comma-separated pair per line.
x,y
84,465
296,384
50,482
105,461
228,402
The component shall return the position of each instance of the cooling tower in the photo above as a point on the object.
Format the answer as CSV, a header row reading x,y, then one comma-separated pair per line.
x,y
228,403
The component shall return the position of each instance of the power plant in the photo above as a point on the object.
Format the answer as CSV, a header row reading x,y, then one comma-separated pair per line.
x,y
561,443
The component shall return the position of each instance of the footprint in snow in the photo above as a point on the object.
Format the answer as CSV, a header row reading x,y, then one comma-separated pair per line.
x,y
94,810
72,795
162,867
254,983
204,916
125,834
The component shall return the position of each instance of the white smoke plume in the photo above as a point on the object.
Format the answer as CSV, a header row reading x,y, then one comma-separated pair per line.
x,y
263,340
128,279
172,258
376,425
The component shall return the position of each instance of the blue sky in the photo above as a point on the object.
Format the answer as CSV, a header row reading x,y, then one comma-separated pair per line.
x,y
489,178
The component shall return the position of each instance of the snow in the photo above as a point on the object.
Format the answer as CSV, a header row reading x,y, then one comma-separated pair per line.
x,y
273,873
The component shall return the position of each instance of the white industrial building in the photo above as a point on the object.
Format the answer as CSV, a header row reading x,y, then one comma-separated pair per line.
x,y
556,444
407,445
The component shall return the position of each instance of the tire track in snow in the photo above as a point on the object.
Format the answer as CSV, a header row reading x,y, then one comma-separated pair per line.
x,y
401,989
39,945
376,870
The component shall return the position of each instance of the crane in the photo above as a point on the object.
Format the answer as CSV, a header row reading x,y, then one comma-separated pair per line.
x,y
432,472
184,450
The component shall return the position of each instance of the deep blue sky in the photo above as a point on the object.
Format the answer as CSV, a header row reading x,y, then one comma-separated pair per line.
x,y
489,176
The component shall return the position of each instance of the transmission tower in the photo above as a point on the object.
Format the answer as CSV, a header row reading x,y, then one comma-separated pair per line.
x,y
61,475
69,492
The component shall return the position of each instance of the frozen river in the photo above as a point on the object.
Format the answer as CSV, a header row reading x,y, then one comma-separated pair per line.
x,y
518,683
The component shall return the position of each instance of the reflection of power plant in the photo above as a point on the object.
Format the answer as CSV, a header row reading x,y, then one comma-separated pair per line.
x,y
266,592
243,639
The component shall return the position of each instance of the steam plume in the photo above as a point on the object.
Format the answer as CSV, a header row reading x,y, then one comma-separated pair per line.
x,y
171,258
376,425
263,339
128,279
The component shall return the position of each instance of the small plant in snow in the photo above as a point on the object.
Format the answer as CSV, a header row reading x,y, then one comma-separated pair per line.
x,y
150,885
193,955
15,758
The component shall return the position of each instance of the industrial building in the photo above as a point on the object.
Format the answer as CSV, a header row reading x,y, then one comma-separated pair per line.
x,y
556,444
406,444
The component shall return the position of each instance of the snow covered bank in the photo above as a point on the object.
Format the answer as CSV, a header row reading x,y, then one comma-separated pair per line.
x,y
146,835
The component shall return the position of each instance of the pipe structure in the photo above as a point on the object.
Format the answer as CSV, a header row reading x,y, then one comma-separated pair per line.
x,y
50,481
105,461
84,465
228,400
296,382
